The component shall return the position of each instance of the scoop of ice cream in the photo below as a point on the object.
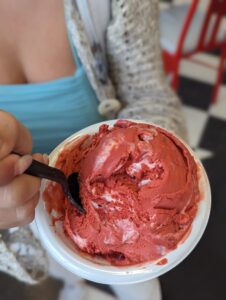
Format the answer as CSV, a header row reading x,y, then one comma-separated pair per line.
x,y
139,186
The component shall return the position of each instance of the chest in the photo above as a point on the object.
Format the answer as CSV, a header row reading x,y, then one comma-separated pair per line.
x,y
34,44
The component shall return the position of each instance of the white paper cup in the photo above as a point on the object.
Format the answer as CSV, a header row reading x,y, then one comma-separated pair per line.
x,y
63,250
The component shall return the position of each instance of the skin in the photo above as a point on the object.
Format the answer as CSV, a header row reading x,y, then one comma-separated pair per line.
x,y
34,47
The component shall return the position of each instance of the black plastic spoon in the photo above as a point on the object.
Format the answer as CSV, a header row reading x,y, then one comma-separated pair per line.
x,y
69,185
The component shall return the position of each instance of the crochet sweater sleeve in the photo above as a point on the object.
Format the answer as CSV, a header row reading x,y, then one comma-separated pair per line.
x,y
22,256
135,65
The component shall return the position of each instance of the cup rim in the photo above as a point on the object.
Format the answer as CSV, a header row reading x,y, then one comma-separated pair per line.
x,y
106,274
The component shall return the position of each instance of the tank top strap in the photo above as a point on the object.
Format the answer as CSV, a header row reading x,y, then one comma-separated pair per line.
x,y
74,52
73,49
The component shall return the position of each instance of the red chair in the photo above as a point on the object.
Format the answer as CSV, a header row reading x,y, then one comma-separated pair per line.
x,y
186,30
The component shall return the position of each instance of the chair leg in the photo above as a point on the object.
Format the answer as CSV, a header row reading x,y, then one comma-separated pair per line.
x,y
219,78
175,79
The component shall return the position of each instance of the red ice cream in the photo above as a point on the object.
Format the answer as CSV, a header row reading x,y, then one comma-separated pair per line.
x,y
139,187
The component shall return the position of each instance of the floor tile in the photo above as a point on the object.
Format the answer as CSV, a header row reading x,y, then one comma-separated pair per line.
x,y
196,120
96,294
214,136
199,71
218,109
204,154
195,93
11,289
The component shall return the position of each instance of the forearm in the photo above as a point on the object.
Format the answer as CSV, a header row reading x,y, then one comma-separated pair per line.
x,y
158,111
135,65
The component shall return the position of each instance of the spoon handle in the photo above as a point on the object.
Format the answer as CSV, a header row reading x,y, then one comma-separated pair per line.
x,y
41,170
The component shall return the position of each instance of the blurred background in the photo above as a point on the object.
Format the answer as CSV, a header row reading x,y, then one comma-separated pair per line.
x,y
193,40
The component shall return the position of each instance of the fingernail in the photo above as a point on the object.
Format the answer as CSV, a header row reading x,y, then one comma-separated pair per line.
x,y
22,164
46,158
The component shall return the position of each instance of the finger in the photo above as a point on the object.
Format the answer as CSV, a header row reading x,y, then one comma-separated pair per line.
x,y
27,211
19,216
13,136
13,165
46,159
39,157
19,191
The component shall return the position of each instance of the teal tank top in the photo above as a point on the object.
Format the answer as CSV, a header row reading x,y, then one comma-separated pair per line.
x,y
53,110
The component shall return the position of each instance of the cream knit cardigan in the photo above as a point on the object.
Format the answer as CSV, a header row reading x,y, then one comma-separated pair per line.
x,y
136,84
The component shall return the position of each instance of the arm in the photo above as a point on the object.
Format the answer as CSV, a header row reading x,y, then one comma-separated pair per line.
x,y
135,64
